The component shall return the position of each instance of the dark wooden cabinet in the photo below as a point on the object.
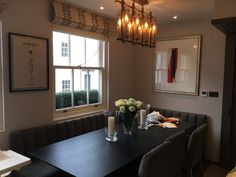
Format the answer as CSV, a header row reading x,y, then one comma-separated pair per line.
x,y
228,126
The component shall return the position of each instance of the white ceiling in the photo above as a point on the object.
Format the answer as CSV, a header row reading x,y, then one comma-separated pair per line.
x,y
163,10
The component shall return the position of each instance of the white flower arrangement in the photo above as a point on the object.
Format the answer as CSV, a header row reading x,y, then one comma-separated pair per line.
x,y
128,105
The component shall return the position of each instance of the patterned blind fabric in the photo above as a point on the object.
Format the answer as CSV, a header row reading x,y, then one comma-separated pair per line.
x,y
67,15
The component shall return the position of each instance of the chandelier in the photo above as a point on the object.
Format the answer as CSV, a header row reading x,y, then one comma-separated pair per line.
x,y
136,26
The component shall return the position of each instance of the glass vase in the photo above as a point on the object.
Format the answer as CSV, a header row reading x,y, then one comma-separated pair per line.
x,y
127,120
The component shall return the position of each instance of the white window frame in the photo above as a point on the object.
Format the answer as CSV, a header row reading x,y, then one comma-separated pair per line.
x,y
2,112
91,109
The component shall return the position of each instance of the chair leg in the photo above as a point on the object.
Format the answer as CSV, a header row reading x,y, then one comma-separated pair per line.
x,y
189,173
198,169
201,168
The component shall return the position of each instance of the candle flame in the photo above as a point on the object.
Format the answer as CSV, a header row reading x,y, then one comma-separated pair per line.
x,y
126,18
154,28
129,25
119,22
146,25
137,21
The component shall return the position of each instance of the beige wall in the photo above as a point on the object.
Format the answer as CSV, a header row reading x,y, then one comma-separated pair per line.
x,y
211,78
29,109
121,71
25,109
224,9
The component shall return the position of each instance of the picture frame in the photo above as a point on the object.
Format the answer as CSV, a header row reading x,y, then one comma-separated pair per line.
x,y
177,64
28,63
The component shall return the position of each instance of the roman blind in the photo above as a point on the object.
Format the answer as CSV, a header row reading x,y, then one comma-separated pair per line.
x,y
69,15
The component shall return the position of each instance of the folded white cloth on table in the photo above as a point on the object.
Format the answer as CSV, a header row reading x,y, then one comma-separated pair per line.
x,y
167,125
154,117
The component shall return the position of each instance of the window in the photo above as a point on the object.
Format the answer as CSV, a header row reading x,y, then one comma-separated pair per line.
x,y
65,85
64,49
80,79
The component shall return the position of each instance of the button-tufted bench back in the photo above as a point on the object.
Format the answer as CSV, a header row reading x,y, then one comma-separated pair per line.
x,y
23,141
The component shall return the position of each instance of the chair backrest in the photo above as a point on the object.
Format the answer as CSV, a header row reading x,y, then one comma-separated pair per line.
x,y
196,146
166,159
177,151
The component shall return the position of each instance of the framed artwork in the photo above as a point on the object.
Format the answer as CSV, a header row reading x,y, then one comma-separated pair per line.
x,y
29,63
176,68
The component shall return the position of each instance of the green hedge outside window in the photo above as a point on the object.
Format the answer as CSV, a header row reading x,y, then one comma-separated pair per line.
x,y
63,99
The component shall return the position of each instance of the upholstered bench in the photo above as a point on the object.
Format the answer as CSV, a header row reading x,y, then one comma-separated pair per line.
x,y
198,119
23,141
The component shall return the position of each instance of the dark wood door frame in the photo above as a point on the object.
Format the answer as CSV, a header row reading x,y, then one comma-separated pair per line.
x,y
228,125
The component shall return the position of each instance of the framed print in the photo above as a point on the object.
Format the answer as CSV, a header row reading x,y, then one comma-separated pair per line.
x,y
29,70
176,67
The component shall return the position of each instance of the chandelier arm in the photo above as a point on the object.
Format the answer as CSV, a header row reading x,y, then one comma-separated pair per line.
x,y
142,41
132,21
121,16
150,32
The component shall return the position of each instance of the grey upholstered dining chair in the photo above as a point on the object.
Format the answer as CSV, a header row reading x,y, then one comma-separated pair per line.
x,y
166,159
195,152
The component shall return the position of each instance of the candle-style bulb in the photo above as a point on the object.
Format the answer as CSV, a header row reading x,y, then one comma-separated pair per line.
x,y
126,18
119,22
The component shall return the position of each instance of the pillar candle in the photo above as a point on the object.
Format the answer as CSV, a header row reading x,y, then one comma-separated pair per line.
x,y
142,116
111,126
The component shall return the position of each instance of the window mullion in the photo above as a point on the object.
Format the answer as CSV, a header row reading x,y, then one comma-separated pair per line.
x,y
72,88
87,89
69,46
85,54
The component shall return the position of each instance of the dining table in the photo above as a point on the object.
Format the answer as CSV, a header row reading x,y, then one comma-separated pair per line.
x,y
90,155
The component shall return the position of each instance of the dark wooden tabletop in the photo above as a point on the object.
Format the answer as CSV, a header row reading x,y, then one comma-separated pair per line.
x,y
89,155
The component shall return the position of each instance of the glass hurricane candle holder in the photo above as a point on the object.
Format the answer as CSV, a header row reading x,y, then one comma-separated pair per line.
x,y
142,119
111,126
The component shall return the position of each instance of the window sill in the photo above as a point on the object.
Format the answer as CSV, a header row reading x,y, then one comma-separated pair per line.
x,y
60,115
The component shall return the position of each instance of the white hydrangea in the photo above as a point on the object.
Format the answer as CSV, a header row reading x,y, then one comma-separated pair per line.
x,y
139,104
130,105
120,102
122,109
132,109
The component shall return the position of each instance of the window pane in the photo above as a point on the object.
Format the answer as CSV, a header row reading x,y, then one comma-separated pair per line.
x,y
61,49
63,88
94,82
93,53
77,50
80,92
